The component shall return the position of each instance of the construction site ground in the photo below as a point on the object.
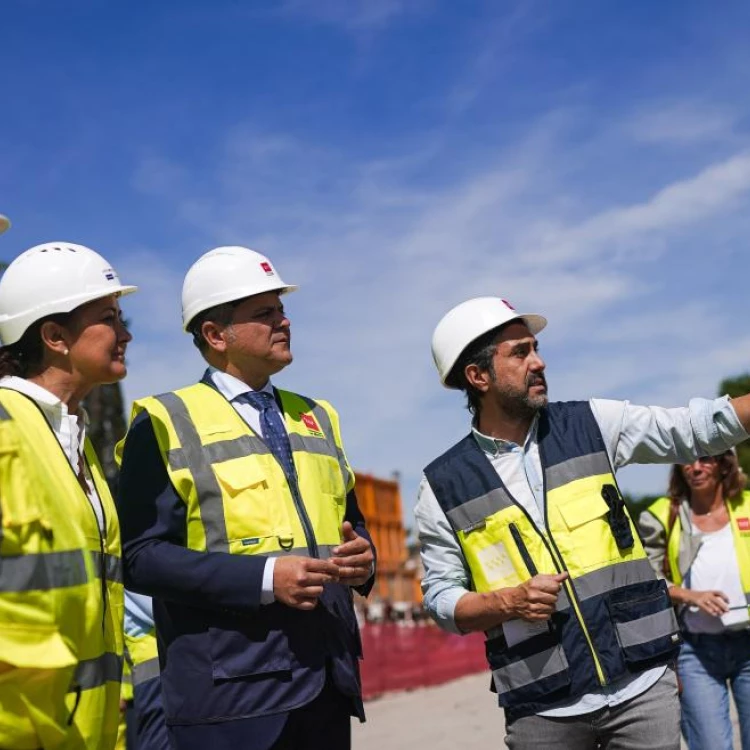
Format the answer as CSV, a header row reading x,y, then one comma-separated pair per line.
x,y
458,715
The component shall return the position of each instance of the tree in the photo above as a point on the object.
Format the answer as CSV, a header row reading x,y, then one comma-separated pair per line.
x,y
106,426
734,387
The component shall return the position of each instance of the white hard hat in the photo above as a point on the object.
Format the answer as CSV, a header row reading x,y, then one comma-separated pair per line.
x,y
467,322
227,274
55,277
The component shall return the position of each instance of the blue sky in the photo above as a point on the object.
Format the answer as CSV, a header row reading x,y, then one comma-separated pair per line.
x,y
586,160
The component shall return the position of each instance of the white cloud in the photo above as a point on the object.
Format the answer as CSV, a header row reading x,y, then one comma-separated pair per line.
x,y
716,190
681,124
381,253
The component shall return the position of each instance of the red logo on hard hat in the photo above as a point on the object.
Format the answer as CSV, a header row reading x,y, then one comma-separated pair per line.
x,y
743,524
311,424
267,268
507,304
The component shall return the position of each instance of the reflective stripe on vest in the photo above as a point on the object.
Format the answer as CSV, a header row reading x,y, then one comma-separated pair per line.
x,y
613,615
147,670
110,564
35,572
93,673
143,654
738,509
60,530
237,496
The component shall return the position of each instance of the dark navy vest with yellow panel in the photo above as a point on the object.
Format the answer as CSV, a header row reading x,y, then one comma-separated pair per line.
x,y
613,616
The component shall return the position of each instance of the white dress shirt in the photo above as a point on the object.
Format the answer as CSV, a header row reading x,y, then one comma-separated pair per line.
x,y
69,429
716,568
632,435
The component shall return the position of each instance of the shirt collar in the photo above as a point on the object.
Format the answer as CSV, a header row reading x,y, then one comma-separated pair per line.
x,y
232,388
497,446
44,398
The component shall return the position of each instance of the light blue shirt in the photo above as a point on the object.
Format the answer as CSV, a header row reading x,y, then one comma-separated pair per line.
x,y
632,435
139,614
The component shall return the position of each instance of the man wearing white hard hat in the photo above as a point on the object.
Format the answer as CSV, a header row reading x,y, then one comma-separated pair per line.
x,y
239,517
525,536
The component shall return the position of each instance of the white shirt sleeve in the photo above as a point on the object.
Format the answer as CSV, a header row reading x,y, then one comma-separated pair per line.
x,y
653,435
266,591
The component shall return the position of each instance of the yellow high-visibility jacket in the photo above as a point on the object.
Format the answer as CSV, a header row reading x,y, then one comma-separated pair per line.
x,y
143,655
681,546
61,597
240,502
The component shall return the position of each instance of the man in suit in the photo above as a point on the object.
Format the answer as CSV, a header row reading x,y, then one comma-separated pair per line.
x,y
239,517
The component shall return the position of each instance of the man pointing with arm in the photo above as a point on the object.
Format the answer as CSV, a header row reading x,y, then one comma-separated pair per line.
x,y
525,535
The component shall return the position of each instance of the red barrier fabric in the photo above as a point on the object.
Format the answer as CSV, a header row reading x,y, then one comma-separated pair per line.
x,y
404,658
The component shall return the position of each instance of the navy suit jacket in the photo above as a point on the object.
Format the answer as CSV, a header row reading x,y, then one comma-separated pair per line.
x,y
223,655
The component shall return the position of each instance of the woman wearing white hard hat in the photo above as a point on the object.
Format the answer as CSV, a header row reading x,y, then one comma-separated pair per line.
x,y
60,574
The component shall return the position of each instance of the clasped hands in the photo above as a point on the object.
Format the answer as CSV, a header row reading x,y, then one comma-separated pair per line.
x,y
298,581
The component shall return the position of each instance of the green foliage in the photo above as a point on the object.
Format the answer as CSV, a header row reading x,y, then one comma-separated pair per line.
x,y
636,504
734,387
107,426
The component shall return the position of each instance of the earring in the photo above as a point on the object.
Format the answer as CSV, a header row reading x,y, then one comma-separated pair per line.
x,y
66,352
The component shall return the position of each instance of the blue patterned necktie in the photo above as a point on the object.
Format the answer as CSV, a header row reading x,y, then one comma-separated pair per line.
x,y
272,427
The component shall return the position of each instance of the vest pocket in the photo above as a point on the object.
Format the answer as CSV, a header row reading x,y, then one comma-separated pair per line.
x,y
644,620
252,509
582,532
529,671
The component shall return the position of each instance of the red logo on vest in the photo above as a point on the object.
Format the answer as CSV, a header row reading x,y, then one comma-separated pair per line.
x,y
743,524
311,424
267,268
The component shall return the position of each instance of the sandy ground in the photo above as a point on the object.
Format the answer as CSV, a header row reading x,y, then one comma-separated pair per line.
x,y
460,714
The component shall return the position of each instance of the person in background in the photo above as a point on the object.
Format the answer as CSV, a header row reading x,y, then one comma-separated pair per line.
x,y
141,652
239,517
526,536
61,596
698,538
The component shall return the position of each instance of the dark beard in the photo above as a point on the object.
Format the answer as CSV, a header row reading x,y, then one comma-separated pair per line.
x,y
521,404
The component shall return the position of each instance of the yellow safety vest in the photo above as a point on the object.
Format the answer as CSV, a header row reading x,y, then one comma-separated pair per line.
x,y
126,694
237,495
143,655
613,616
50,512
739,521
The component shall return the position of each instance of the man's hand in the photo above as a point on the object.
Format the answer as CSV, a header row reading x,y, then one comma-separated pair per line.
x,y
298,581
353,557
536,599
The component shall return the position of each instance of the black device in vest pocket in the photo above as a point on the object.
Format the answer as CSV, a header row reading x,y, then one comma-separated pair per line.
x,y
617,518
